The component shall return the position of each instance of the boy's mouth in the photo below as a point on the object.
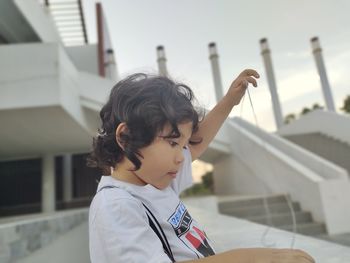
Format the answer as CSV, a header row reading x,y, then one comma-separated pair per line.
x,y
173,174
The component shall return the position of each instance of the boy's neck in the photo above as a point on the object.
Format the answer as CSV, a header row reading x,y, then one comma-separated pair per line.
x,y
122,173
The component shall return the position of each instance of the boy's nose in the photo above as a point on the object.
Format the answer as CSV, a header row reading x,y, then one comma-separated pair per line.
x,y
179,158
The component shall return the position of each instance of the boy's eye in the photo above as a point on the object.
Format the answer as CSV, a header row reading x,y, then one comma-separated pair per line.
x,y
172,143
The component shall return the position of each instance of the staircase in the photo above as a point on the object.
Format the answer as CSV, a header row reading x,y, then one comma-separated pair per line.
x,y
253,209
68,16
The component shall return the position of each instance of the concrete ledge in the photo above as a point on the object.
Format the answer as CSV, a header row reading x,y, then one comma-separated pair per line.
x,y
70,247
23,236
326,122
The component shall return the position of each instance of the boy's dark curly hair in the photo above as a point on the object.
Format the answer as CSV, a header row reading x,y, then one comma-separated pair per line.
x,y
146,104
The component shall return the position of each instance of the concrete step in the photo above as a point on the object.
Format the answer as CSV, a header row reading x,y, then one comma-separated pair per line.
x,y
253,209
242,202
259,210
282,219
308,229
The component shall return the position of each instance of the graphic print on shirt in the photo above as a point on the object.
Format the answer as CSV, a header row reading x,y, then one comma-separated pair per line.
x,y
188,233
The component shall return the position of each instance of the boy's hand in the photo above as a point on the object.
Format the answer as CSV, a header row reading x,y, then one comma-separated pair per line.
x,y
240,84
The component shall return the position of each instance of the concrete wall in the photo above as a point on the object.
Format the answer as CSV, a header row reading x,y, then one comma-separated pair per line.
x,y
227,181
41,92
40,20
28,69
13,27
84,58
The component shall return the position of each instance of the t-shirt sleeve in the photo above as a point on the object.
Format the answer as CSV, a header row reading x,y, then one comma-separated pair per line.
x,y
119,232
184,178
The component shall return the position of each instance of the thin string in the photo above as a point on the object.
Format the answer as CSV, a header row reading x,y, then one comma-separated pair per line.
x,y
265,201
265,187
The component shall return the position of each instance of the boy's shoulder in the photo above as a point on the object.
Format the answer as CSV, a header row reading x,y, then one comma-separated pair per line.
x,y
110,189
114,201
113,194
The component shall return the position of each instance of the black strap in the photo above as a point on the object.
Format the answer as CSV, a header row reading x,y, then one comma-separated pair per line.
x,y
162,238
152,221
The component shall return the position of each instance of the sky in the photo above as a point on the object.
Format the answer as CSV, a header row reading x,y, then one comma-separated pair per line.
x,y
186,27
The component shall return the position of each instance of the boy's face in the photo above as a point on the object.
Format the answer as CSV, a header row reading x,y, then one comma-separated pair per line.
x,y
162,159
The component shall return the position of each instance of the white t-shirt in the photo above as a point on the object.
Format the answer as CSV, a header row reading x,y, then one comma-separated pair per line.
x,y
119,229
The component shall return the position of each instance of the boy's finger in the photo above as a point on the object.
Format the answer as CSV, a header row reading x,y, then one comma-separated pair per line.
x,y
307,257
251,72
301,255
308,260
245,83
253,81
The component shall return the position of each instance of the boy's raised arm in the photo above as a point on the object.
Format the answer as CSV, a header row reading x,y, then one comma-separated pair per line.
x,y
212,122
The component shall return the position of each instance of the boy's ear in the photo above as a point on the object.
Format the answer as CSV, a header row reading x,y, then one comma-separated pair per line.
x,y
121,129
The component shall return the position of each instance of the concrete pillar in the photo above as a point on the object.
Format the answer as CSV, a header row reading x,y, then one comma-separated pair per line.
x,y
327,94
266,54
67,178
110,66
162,69
214,59
48,193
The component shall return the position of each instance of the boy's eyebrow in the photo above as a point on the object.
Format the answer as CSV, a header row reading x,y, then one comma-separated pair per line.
x,y
181,135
